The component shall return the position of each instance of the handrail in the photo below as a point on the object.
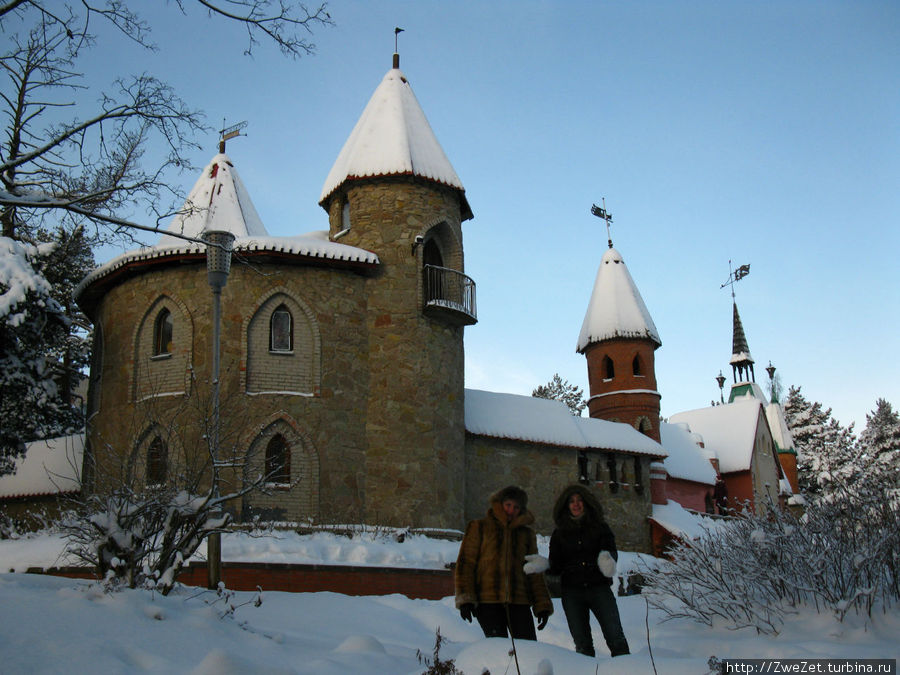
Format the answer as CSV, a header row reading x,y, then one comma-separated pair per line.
x,y
445,287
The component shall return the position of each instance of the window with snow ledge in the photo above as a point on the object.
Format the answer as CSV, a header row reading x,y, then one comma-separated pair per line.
x,y
162,333
345,215
636,367
278,462
608,369
281,330
638,476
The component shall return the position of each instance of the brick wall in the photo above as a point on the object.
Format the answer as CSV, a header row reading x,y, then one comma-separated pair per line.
x,y
413,583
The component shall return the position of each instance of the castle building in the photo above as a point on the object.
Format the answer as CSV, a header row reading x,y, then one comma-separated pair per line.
x,y
341,362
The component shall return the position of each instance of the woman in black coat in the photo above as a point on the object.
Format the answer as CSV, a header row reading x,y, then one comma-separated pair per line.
x,y
583,554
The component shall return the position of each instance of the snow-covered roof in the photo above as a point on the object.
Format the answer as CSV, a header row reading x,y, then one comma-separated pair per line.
x,y
616,308
686,460
540,420
682,523
729,430
48,467
218,201
781,434
392,137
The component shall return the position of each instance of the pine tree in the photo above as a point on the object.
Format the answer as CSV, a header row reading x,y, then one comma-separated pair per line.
x,y
560,390
825,449
880,441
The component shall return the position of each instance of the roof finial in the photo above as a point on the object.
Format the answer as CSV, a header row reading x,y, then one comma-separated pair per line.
x,y
397,32
601,212
226,133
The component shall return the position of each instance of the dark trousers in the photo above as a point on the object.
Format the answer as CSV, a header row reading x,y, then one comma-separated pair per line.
x,y
579,603
493,620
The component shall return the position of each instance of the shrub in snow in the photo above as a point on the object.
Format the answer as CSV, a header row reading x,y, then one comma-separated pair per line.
x,y
435,665
842,555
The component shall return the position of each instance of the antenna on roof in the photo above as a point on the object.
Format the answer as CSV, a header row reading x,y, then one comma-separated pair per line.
x,y
601,212
226,133
397,32
735,276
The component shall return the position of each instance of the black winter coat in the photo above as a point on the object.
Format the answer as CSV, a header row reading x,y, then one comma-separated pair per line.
x,y
575,545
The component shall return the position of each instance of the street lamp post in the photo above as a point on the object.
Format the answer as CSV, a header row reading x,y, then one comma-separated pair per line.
x,y
218,265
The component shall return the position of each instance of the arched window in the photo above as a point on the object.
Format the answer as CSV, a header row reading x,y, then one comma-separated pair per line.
x,y
636,366
157,461
281,330
162,333
609,371
278,461
431,254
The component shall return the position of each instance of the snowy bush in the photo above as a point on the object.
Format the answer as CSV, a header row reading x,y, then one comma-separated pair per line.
x,y
142,539
841,556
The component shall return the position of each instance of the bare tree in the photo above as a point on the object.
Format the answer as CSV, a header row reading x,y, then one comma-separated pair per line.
x,y
75,158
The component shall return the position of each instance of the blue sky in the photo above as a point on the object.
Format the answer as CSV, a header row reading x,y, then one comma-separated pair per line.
x,y
758,132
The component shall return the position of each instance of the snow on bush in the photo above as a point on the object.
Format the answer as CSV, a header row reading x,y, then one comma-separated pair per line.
x,y
842,555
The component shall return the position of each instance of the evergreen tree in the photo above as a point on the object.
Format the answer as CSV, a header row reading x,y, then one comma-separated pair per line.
x,y
826,450
560,390
880,441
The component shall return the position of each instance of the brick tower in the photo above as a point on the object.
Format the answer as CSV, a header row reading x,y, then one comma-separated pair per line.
x,y
392,191
618,339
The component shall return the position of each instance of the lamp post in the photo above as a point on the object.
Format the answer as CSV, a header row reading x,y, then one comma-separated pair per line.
x,y
218,265
720,378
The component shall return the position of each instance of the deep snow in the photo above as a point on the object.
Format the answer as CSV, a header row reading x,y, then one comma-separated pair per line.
x,y
53,625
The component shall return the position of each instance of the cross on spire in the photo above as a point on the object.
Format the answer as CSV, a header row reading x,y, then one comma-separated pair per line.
x,y
601,212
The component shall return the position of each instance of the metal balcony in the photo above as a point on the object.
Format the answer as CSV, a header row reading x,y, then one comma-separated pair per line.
x,y
449,296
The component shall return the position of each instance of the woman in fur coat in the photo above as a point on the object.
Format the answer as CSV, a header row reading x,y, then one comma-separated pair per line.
x,y
583,554
492,582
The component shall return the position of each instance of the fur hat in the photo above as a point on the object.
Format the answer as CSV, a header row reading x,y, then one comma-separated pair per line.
x,y
515,493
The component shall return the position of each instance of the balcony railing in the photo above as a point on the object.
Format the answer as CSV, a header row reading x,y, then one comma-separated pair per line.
x,y
449,295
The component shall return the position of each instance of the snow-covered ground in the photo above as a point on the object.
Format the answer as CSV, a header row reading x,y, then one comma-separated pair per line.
x,y
53,625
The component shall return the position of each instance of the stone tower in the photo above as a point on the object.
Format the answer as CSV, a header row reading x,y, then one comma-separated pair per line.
x,y
618,339
392,191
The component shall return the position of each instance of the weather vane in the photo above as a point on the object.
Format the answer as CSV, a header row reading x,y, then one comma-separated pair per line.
x,y
397,32
601,212
735,276
226,133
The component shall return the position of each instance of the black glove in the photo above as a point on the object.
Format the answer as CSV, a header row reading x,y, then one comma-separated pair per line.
x,y
465,611
543,618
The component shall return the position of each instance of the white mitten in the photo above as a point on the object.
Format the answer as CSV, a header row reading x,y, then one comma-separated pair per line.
x,y
535,564
607,564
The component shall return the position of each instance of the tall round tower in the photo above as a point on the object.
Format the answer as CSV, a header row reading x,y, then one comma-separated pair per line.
x,y
619,339
393,191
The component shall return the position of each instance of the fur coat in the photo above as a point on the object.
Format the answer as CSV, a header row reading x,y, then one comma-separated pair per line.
x,y
490,561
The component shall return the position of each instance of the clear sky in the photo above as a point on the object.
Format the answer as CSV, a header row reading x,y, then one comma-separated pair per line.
x,y
759,132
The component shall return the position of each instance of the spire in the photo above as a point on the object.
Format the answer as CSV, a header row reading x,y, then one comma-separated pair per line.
x,y
393,138
741,361
616,308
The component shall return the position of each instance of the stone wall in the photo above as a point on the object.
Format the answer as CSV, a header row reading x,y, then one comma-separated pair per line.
x,y
543,471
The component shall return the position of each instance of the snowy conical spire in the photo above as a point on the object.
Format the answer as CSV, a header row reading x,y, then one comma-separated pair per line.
x,y
218,201
616,309
741,361
391,138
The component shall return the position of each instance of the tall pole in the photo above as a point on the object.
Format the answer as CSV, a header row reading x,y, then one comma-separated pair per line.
x,y
218,265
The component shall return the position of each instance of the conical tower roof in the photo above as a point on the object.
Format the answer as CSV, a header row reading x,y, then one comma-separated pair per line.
x,y
740,351
616,309
393,138
218,201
